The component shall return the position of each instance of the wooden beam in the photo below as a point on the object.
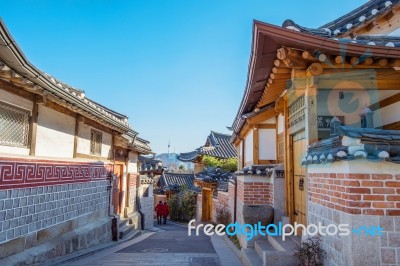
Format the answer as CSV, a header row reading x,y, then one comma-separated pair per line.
x,y
315,69
33,128
385,102
262,116
255,145
76,134
266,126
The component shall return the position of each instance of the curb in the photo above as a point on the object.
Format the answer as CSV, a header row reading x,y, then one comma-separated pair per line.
x,y
232,246
94,250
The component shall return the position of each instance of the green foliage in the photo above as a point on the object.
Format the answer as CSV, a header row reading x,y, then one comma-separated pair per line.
x,y
183,205
181,167
310,252
229,165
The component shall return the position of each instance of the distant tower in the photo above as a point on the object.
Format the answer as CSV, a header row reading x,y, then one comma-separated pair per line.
x,y
169,142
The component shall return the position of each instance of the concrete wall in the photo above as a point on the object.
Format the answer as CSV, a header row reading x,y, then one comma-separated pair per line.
x,y
133,162
55,134
83,146
281,123
19,102
358,193
147,204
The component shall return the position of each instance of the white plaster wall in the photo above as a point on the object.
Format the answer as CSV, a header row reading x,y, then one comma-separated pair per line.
x,y
281,124
272,120
133,162
55,134
15,100
83,144
387,115
267,144
248,146
20,102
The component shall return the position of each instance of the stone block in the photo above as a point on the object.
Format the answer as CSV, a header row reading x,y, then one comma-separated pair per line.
x,y
387,223
6,225
3,237
23,202
10,234
2,215
397,223
388,255
394,239
3,194
14,223
30,241
10,214
21,192
8,204
18,212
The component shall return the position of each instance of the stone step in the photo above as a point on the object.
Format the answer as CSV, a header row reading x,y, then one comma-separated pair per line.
x,y
249,257
125,230
283,245
271,257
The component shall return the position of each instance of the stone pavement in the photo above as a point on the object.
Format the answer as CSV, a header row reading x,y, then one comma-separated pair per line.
x,y
170,245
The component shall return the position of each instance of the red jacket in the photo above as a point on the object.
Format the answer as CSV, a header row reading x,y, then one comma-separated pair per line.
x,y
165,210
159,209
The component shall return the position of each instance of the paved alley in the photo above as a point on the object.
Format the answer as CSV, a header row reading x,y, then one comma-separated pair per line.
x,y
169,246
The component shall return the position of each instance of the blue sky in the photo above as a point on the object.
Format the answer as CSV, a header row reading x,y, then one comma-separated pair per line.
x,y
178,69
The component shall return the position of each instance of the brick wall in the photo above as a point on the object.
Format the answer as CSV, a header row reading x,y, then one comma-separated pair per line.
x,y
231,199
369,194
132,183
255,192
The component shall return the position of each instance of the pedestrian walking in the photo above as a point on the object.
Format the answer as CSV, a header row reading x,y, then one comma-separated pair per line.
x,y
165,212
159,211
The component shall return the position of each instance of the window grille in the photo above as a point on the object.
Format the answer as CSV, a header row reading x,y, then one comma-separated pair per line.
x,y
14,125
95,142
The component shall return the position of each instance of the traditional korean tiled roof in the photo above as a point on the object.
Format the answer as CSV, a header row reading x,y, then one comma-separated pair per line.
x,y
188,156
356,143
174,181
263,170
217,145
149,165
16,67
339,28
211,174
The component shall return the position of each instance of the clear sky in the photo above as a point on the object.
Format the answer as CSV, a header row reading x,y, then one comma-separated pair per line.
x,y
178,69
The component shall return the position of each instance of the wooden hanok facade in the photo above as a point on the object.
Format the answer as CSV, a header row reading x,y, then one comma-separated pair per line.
x,y
302,79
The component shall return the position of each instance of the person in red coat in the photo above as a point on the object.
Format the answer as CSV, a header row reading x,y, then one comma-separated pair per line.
x,y
165,212
159,211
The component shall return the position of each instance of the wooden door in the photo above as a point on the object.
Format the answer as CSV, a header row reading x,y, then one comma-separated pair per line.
x,y
206,211
117,188
299,144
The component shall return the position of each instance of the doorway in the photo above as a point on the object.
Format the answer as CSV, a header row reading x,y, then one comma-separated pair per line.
x,y
299,144
206,212
117,189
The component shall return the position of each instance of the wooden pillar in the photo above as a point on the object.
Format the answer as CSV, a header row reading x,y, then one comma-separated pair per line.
x,y
243,152
255,145
287,164
311,123
33,127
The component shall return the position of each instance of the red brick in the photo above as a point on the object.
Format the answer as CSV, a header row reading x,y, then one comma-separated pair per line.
x,y
393,198
339,175
397,177
372,184
358,190
383,204
352,210
383,191
393,212
358,204
382,177
392,183
373,212
351,197
358,176
373,197
332,175
351,183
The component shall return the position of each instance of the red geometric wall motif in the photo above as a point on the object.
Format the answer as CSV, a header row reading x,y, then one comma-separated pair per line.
x,y
16,173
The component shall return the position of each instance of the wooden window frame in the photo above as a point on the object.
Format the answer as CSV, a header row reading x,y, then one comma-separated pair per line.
x,y
96,141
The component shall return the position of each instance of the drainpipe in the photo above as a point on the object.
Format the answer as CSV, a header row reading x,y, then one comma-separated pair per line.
x,y
114,220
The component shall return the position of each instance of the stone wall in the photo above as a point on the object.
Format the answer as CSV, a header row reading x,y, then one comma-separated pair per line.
x,y
199,208
357,193
231,198
147,204
26,210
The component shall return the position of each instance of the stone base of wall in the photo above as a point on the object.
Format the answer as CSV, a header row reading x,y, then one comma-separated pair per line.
x,y
56,241
147,204
199,208
358,249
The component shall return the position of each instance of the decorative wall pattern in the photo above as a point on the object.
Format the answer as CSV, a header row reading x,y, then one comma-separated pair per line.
x,y
16,173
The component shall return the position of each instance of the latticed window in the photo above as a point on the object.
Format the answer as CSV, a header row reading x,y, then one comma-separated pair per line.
x,y
14,125
95,142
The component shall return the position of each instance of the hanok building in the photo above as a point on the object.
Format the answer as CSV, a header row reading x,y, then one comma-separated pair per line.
x,y
325,102
213,182
217,145
58,152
